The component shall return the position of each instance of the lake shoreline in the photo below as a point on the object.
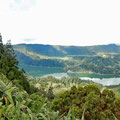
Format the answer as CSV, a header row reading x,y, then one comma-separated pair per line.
x,y
72,72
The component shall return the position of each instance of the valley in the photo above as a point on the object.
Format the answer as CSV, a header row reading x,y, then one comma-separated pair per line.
x,y
103,59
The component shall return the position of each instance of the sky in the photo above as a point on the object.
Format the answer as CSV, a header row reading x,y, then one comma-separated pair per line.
x,y
60,22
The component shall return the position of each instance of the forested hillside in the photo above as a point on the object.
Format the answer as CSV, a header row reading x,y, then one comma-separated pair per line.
x,y
101,64
102,59
58,51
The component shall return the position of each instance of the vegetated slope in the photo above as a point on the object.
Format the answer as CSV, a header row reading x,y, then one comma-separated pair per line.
x,y
103,59
52,50
57,51
27,60
111,48
109,64
82,102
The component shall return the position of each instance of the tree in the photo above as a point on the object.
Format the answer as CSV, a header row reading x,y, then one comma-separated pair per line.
x,y
1,50
1,45
9,65
90,101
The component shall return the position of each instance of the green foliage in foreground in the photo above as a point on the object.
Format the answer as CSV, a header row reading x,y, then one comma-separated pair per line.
x,y
78,103
17,104
95,105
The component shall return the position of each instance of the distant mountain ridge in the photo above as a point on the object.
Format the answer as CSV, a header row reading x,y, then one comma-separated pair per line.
x,y
60,51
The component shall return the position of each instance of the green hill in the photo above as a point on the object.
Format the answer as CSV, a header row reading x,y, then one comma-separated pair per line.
x,y
60,51
101,59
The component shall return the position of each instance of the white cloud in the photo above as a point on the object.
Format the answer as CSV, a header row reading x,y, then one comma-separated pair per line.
x,y
69,22
21,5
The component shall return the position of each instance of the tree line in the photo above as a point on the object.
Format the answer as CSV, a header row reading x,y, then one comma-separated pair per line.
x,y
9,65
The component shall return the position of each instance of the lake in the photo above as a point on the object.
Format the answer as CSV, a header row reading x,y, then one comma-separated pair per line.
x,y
36,71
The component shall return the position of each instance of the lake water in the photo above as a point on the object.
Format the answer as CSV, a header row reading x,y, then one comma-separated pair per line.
x,y
36,71
105,80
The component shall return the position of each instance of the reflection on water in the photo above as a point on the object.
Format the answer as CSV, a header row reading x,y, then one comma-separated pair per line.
x,y
37,71
57,75
103,81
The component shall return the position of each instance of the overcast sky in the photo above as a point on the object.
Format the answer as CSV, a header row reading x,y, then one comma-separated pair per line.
x,y
61,22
